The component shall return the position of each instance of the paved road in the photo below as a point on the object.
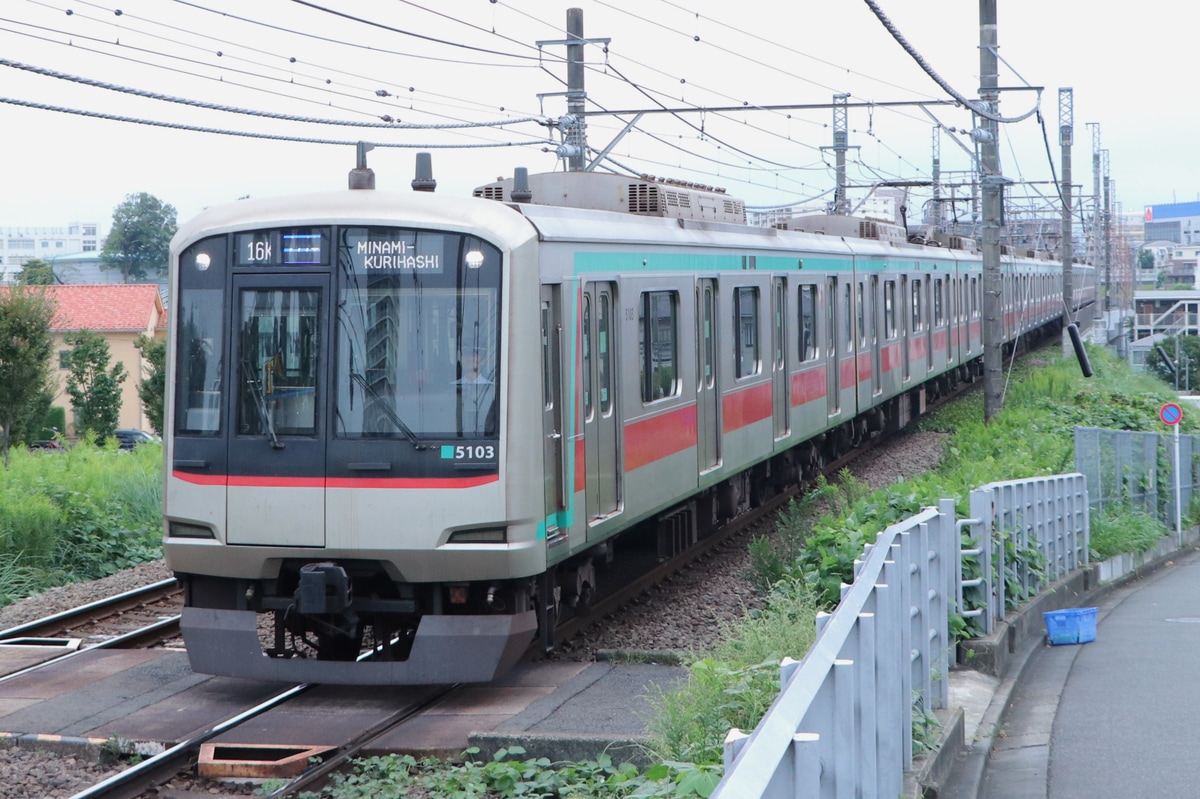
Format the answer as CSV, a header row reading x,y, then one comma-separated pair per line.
x,y
1117,717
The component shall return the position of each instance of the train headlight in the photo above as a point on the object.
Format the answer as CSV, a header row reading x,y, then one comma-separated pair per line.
x,y
494,535
474,259
203,261
184,530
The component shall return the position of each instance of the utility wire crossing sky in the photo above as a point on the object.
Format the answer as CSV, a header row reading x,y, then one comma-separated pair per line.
x,y
203,101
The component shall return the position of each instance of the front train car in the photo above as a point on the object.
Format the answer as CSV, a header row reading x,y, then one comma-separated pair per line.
x,y
339,478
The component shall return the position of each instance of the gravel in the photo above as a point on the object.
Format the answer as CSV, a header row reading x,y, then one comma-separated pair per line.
x,y
685,615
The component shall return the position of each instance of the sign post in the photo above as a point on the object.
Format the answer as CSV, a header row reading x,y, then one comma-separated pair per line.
x,y
1171,415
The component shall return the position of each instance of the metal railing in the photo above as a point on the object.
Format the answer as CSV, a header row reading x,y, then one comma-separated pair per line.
x,y
1043,515
842,723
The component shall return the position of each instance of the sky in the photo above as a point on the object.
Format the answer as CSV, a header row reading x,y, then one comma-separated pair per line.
x,y
200,102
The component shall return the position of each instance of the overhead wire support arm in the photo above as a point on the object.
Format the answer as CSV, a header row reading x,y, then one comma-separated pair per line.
x,y
692,109
603,154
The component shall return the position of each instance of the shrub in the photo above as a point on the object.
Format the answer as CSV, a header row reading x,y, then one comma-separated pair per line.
x,y
1117,529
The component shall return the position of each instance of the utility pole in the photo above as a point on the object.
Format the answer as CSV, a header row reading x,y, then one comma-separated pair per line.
x,y
1094,239
573,125
1106,231
841,141
936,209
1066,138
576,96
991,188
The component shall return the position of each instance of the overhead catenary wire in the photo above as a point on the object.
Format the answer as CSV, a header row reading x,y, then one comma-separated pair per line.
x,y
266,114
734,157
256,135
946,87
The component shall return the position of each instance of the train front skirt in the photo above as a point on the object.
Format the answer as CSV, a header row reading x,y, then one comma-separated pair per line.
x,y
447,649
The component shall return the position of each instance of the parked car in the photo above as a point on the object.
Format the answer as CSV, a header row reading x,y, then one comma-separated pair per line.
x,y
131,438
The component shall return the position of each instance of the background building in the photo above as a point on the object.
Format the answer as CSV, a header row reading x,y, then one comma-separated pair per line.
x,y
1177,222
119,313
21,244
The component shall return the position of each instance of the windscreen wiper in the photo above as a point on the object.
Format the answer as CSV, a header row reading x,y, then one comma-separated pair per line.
x,y
388,411
260,402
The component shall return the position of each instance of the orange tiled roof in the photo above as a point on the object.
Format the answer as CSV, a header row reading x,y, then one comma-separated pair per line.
x,y
106,307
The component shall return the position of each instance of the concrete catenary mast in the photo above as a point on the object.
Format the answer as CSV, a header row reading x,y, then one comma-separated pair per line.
x,y
991,185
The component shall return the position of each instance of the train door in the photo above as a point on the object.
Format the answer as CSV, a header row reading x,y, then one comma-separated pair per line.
x,y
708,406
600,428
278,408
781,390
873,337
952,317
553,433
833,383
929,319
905,316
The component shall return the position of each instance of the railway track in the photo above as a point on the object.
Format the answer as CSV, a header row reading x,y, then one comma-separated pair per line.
x,y
105,618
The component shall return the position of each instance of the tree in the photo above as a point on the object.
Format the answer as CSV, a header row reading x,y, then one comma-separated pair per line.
x,y
153,387
26,366
37,272
1187,361
139,243
94,388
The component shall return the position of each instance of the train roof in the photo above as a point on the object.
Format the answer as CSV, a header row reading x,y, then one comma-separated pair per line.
x,y
644,195
361,207
577,207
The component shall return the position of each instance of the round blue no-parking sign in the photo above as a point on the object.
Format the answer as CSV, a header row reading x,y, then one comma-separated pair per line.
x,y
1170,413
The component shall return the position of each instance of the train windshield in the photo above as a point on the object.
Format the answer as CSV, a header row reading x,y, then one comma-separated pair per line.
x,y
418,334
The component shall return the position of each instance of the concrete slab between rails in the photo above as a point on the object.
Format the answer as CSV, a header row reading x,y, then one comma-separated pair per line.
x,y
606,708
86,748
18,654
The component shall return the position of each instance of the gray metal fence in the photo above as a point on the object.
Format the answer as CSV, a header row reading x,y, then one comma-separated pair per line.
x,y
1046,515
842,723
1137,470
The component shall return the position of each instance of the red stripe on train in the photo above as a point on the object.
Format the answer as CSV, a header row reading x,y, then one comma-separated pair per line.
x,y
652,439
249,481
580,464
808,386
745,407
864,367
846,372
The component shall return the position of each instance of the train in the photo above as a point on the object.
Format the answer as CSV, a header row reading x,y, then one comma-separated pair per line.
x,y
407,432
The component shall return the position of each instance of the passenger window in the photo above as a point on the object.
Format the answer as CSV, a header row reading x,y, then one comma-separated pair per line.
x,y
586,344
808,322
604,354
917,322
846,301
862,316
889,309
657,335
745,330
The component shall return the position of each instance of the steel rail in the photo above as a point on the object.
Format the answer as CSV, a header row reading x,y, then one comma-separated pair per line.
x,y
114,604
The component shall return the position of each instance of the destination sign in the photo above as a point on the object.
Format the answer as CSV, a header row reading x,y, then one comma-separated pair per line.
x,y
396,255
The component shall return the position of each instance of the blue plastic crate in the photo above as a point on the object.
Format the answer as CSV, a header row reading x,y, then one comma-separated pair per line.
x,y
1070,626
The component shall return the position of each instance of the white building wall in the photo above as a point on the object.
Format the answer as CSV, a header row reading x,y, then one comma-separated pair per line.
x,y
20,244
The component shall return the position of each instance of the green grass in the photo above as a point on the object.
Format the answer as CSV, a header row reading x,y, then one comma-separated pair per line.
x,y
1117,530
78,514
